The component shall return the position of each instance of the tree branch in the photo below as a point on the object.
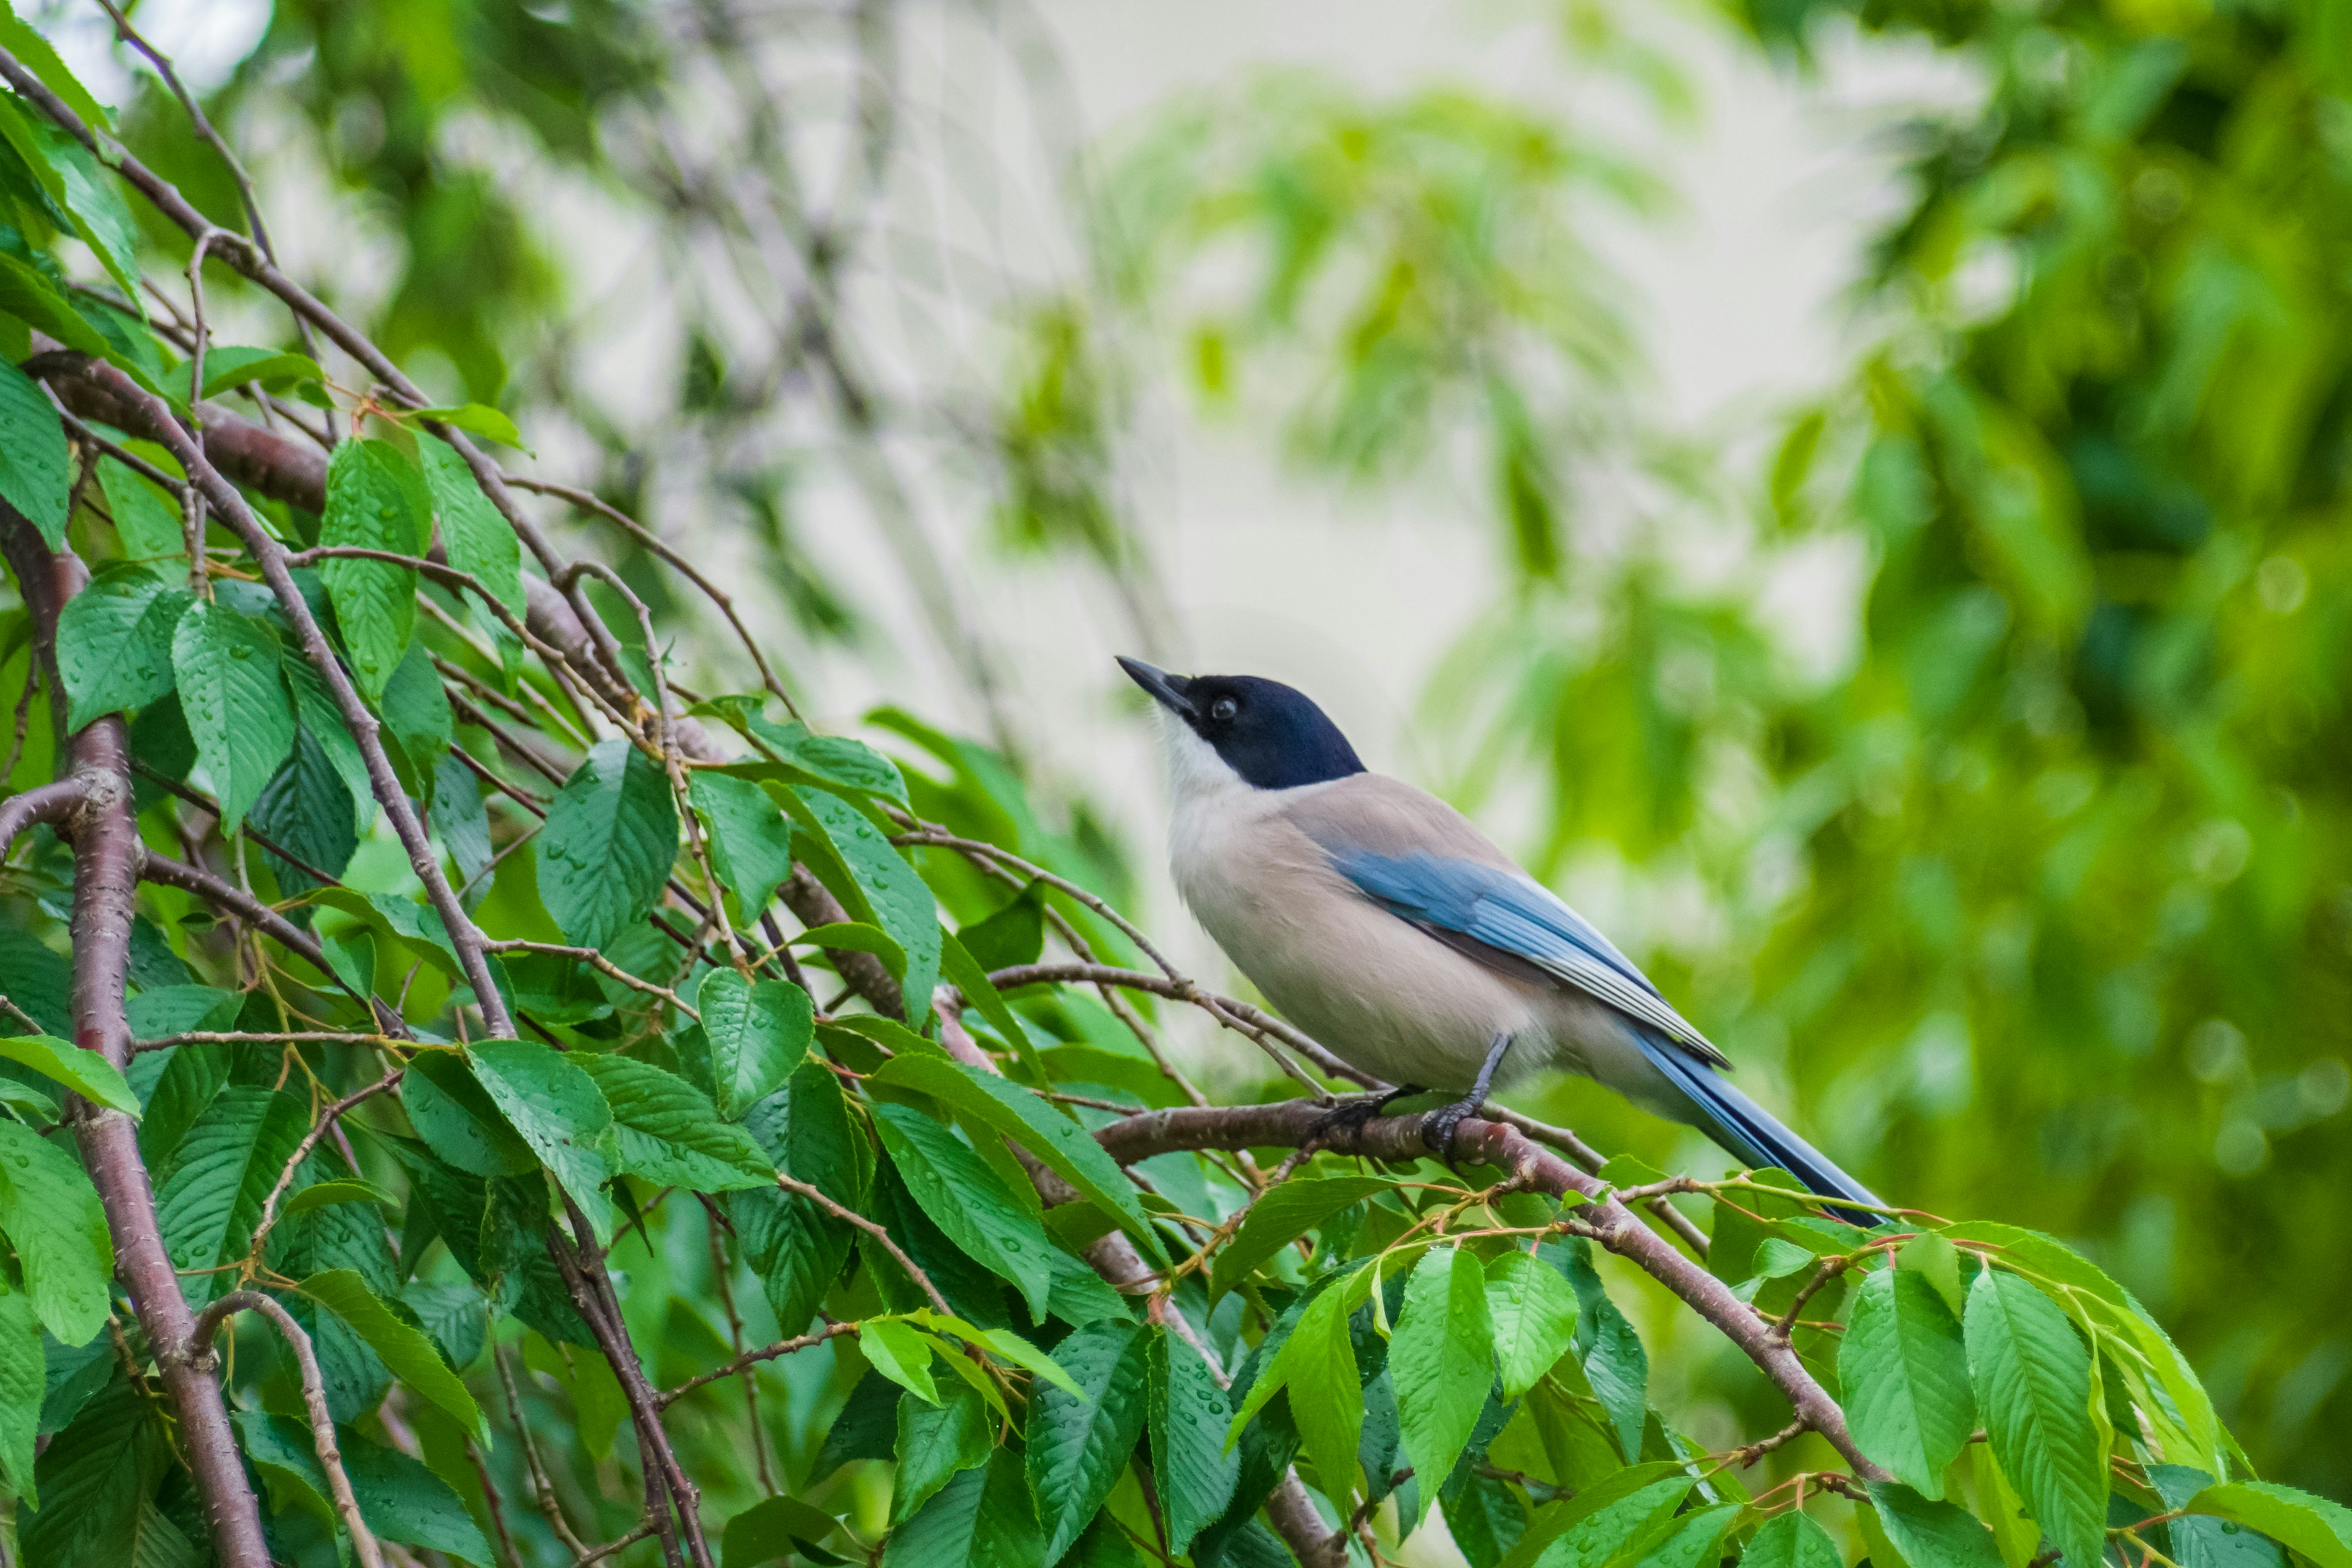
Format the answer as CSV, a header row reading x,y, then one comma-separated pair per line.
x,y
314,1399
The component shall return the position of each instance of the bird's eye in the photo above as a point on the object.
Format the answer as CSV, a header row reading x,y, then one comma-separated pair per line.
x,y
1223,709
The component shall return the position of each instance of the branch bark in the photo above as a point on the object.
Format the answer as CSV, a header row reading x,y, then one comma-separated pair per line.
x,y
1291,1123
105,839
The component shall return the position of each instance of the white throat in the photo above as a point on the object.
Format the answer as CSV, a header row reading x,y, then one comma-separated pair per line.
x,y
1195,772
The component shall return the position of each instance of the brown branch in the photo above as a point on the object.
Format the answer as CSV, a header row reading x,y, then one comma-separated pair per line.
x,y
543,1489
1293,1122
750,1359
326,1122
314,1399
49,802
105,839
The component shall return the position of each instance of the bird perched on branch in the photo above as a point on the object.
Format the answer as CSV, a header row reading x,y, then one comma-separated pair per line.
x,y
1381,921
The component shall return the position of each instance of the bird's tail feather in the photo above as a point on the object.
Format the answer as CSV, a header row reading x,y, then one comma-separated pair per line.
x,y
1753,1133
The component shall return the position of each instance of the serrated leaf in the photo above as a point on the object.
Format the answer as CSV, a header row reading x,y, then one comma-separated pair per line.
x,y
100,215
901,1353
376,500
1587,1529
114,642
799,755
879,884
1794,1541
1281,1216
668,1133
1442,1361
479,419
480,541
1904,1370
1186,1416
24,1384
968,1202
400,1500
1615,1363
749,840
773,1527
982,1519
36,469
758,1032
327,1195
610,839
306,811
1011,1110
234,701
81,1070
2033,1390
1079,1443
41,58
221,1172
418,720
145,519
559,1112
314,708
2319,1529
95,1478
936,1442
403,1348
457,1119
1533,1310
228,365
1931,1534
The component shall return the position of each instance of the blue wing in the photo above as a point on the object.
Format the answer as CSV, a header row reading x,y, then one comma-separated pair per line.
x,y
1509,919
1513,914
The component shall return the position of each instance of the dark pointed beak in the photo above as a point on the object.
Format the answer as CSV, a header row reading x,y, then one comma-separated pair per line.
x,y
1166,690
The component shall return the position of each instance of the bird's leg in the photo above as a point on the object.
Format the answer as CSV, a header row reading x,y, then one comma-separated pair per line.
x,y
1352,1114
1438,1131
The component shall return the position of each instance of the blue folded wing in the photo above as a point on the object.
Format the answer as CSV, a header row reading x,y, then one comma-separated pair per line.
x,y
1514,914
1511,914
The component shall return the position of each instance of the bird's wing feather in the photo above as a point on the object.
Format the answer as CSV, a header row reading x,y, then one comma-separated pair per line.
x,y
1513,914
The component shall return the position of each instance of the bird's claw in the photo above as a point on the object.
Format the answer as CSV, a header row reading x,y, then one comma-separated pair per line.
x,y
1439,1128
1353,1113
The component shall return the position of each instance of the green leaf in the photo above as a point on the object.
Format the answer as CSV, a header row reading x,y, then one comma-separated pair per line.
x,y
457,1119
2033,1389
1587,1529
400,1499
326,1195
219,1175
114,642
1904,1371
228,365
749,840
403,1348
1316,1368
1186,1414
1615,1364
769,1528
759,1031
225,665
856,936
935,1442
100,215
1694,1539
1062,1145
36,470
982,1519
901,1353
1794,1541
968,1202
376,500
963,971
480,541
146,519
610,839
878,885
30,297
480,419
798,755
1442,1360
41,58
306,811
2314,1526
1281,1216
95,1480
23,1381
82,1070
668,1133
1534,1313
1014,935
1931,1534
417,717
559,1112
314,707
1079,1443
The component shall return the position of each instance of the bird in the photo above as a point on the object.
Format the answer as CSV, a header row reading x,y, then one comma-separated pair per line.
x,y
1381,921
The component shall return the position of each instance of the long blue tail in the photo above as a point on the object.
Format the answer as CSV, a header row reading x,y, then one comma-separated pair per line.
x,y
1753,1133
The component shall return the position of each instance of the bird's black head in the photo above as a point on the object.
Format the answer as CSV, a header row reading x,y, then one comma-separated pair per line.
x,y
1271,734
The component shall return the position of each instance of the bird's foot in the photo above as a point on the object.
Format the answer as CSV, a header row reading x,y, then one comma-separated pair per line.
x,y
1440,1126
1346,1119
